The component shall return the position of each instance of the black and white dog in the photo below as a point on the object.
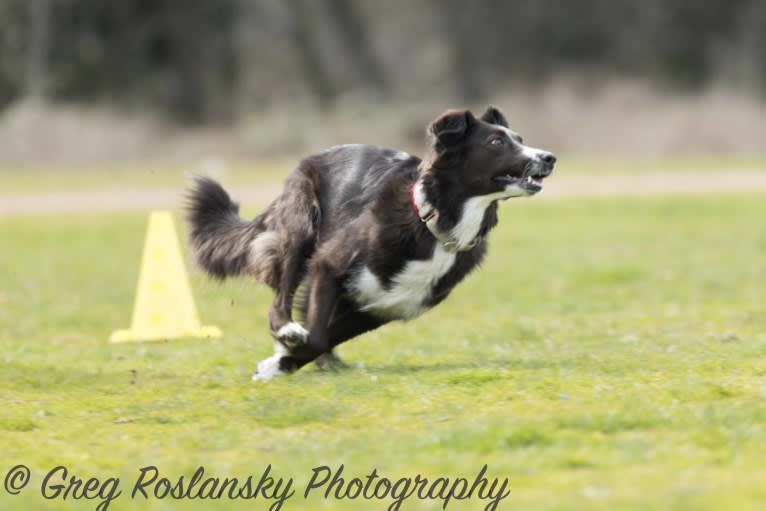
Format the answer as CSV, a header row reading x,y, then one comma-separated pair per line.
x,y
373,234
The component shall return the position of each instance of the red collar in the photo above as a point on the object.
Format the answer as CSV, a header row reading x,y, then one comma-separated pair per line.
x,y
430,212
412,199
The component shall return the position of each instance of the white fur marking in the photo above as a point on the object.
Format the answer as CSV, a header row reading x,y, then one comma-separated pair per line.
x,y
401,155
409,288
293,330
467,228
530,152
514,190
419,197
263,254
268,368
263,243
533,154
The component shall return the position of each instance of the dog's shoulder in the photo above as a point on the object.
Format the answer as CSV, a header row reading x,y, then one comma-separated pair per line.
x,y
353,176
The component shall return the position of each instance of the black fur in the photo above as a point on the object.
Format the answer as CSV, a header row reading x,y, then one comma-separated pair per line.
x,y
218,235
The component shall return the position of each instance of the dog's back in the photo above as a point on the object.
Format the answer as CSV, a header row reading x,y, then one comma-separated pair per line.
x,y
327,189
351,177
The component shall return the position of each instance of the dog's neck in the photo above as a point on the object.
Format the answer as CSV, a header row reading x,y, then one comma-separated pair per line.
x,y
458,225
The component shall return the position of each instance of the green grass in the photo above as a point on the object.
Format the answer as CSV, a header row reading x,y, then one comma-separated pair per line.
x,y
610,354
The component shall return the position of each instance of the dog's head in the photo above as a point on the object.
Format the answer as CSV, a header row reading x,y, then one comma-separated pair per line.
x,y
485,157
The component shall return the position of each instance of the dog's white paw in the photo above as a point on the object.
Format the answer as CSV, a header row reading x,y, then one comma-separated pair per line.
x,y
268,368
292,335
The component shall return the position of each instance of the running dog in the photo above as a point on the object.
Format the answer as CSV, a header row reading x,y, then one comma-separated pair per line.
x,y
370,235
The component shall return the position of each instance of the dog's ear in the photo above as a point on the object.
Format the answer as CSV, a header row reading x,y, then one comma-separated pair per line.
x,y
494,116
451,127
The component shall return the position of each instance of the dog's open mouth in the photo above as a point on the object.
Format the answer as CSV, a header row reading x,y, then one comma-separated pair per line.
x,y
530,184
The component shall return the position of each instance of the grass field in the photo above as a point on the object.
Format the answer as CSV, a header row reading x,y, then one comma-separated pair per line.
x,y
610,354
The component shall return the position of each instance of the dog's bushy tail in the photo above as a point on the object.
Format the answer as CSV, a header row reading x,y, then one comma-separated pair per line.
x,y
220,239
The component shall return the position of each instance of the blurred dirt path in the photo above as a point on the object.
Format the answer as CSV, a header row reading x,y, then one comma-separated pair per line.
x,y
559,186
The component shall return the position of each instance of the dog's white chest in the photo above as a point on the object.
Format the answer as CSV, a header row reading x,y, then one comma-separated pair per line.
x,y
409,288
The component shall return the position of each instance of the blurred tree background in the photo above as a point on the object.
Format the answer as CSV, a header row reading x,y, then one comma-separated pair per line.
x,y
198,61
225,63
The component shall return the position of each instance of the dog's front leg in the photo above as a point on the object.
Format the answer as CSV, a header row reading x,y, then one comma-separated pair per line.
x,y
324,291
323,295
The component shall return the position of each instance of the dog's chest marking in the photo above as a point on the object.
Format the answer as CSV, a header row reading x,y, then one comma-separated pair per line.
x,y
409,289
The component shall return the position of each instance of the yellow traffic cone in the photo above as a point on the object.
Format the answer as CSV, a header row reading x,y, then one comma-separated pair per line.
x,y
164,307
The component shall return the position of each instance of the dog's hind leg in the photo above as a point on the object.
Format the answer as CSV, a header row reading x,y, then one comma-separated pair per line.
x,y
296,215
324,291
284,330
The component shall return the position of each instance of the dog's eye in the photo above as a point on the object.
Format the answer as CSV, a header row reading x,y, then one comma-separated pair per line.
x,y
497,142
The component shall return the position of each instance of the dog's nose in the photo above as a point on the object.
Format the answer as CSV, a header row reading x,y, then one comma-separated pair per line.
x,y
548,158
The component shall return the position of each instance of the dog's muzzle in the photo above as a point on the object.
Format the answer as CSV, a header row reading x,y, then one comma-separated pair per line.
x,y
536,170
